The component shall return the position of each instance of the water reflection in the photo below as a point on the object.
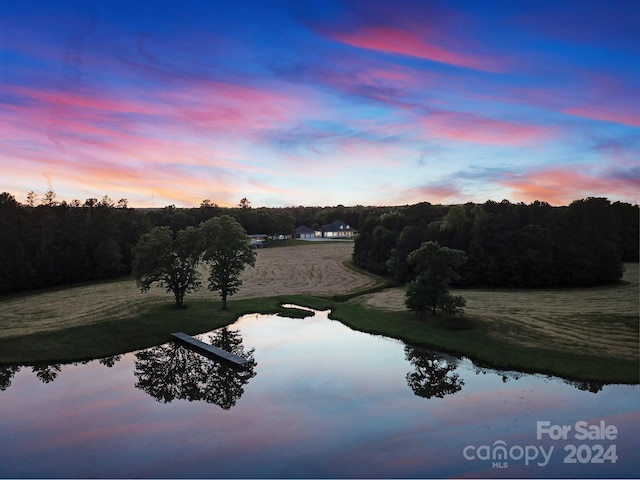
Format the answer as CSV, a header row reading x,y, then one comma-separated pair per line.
x,y
172,371
329,402
110,361
433,375
593,387
585,386
6,375
46,373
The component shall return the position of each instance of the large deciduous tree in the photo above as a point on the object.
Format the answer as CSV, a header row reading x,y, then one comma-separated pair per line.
x,y
227,252
435,268
170,261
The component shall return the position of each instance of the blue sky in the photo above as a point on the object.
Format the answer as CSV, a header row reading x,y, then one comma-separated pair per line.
x,y
320,102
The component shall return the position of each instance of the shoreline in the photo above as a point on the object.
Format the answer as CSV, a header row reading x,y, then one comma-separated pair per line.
x,y
154,327
586,334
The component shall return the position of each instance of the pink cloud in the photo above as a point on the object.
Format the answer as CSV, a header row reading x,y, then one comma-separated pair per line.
x,y
405,42
437,194
103,101
215,106
238,108
174,146
607,114
473,128
194,100
561,185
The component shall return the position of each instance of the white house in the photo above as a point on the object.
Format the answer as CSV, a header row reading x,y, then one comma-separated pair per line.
x,y
338,229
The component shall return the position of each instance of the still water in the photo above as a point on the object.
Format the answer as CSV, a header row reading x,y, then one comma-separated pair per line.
x,y
318,400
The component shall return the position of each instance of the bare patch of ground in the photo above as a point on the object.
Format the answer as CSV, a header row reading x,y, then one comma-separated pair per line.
x,y
600,320
317,268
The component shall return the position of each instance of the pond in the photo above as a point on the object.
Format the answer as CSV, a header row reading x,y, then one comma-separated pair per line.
x,y
316,400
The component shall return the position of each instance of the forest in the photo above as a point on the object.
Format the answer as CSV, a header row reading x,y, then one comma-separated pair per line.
x,y
48,243
51,243
506,244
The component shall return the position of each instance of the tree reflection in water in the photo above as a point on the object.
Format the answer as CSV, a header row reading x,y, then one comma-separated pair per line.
x,y
593,387
433,376
172,371
6,374
110,361
46,373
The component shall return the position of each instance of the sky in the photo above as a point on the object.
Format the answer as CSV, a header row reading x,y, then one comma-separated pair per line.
x,y
320,103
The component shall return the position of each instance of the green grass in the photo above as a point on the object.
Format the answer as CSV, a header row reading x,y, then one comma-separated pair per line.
x,y
152,327
470,337
462,336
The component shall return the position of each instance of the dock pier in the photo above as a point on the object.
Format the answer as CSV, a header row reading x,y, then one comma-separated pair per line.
x,y
208,350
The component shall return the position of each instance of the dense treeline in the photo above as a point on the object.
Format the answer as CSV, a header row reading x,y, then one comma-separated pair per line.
x,y
46,243
508,245
53,243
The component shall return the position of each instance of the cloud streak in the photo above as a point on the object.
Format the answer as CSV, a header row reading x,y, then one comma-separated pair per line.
x,y
401,42
474,128
606,114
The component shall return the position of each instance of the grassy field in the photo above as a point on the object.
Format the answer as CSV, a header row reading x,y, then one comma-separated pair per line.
x,y
315,268
601,321
589,334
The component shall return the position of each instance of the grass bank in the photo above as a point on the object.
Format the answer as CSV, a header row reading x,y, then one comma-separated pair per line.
x,y
468,336
149,328
473,338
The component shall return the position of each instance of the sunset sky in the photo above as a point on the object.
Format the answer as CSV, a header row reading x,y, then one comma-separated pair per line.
x,y
320,102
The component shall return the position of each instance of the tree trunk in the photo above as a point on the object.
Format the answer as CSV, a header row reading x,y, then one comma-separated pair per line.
x,y
179,296
224,300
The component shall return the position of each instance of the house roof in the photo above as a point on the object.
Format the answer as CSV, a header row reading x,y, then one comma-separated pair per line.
x,y
304,229
337,226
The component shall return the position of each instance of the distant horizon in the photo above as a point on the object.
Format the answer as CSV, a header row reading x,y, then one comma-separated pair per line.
x,y
293,102
38,202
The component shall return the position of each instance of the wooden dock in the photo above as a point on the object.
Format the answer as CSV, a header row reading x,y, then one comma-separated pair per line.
x,y
208,350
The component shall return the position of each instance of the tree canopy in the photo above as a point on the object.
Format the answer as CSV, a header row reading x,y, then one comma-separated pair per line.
x,y
507,245
434,267
227,251
171,262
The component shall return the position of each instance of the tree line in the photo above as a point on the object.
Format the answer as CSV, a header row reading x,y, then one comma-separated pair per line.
x,y
59,243
506,244
44,242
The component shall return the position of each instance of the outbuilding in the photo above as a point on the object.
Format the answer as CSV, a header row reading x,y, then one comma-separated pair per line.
x,y
305,233
258,240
